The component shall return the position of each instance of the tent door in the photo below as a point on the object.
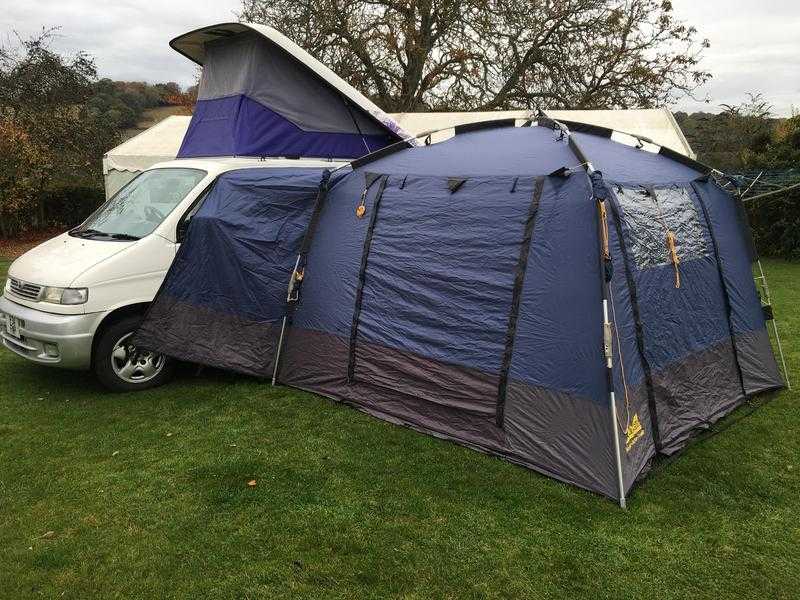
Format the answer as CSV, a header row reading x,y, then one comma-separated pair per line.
x,y
437,279
684,331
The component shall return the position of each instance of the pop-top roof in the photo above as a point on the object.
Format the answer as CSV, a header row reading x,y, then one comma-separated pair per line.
x,y
273,65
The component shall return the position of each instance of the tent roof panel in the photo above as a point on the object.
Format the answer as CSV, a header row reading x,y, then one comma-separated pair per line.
x,y
656,124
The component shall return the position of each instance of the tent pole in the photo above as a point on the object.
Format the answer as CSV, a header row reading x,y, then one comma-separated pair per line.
x,y
278,353
290,297
295,281
613,399
605,276
765,285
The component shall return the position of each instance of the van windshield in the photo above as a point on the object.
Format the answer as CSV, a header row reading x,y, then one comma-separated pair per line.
x,y
139,207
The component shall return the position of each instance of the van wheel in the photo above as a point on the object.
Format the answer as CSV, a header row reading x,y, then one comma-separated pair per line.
x,y
122,367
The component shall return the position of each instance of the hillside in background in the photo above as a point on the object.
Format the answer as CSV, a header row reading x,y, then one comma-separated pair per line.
x,y
151,116
762,153
723,140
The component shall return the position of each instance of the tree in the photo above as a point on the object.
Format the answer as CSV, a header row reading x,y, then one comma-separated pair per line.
x,y
22,168
51,135
776,220
46,95
725,140
497,54
746,140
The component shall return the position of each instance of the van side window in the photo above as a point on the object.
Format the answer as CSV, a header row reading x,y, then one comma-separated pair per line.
x,y
183,224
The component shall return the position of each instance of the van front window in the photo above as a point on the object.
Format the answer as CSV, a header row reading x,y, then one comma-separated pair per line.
x,y
139,207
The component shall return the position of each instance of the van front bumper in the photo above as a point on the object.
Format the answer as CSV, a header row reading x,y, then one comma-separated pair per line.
x,y
58,340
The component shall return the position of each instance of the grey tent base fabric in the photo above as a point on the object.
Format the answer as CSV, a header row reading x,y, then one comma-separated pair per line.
x,y
536,418
677,383
532,439
248,346
758,364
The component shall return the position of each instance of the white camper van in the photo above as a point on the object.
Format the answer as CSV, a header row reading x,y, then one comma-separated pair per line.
x,y
76,300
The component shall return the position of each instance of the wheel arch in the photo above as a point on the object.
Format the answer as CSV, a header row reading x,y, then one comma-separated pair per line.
x,y
115,316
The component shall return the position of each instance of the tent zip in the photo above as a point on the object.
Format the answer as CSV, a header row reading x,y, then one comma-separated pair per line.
x,y
362,275
639,327
725,294
519,279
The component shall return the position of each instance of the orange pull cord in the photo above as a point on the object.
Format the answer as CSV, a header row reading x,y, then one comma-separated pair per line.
x,y
604,230
673,254
671,242
361,209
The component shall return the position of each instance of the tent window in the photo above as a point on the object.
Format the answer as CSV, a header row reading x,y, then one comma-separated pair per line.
x,y
649,214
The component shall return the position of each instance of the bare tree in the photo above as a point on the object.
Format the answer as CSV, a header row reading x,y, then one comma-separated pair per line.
x,y
497,54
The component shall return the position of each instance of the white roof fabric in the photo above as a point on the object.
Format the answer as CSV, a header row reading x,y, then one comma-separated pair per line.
x,y
162,141
657,125
156,144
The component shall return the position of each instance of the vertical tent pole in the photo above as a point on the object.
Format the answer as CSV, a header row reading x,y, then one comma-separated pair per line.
x,y
289,300
614,417
293,290
607,344
278,353
765,285
607,332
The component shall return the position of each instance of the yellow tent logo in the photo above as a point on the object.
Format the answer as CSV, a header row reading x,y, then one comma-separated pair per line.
x,y
633,432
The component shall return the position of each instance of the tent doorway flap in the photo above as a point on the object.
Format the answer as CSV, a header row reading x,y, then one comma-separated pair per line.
x,y
437,287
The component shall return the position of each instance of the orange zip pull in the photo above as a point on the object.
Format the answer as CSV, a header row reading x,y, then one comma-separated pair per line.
x,y
361,209
673,255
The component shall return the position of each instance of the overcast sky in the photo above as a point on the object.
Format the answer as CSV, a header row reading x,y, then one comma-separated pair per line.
x,y
755,44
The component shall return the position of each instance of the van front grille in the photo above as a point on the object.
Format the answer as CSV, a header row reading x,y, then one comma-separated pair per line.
x,y
29,291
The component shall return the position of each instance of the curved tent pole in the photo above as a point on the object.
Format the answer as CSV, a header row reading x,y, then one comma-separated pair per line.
x,y
541,120
405,142
607,132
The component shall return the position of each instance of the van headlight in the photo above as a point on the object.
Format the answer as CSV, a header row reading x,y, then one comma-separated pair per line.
x,y
7,287
57,295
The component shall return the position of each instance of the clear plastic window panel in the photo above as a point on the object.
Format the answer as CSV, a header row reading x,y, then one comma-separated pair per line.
x,y
647,219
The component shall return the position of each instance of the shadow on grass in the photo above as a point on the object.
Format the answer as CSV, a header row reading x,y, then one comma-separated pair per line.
x,y
26,375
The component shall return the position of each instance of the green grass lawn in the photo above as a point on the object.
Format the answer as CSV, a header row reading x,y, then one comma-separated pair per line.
x,y
147,496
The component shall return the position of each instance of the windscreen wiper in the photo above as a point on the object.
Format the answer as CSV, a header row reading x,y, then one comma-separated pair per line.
x,y
86,232
90,233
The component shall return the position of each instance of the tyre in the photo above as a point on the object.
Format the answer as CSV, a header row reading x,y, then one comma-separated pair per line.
x,y
121,367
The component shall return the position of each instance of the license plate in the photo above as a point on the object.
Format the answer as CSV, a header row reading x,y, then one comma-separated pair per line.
x,y
12,326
